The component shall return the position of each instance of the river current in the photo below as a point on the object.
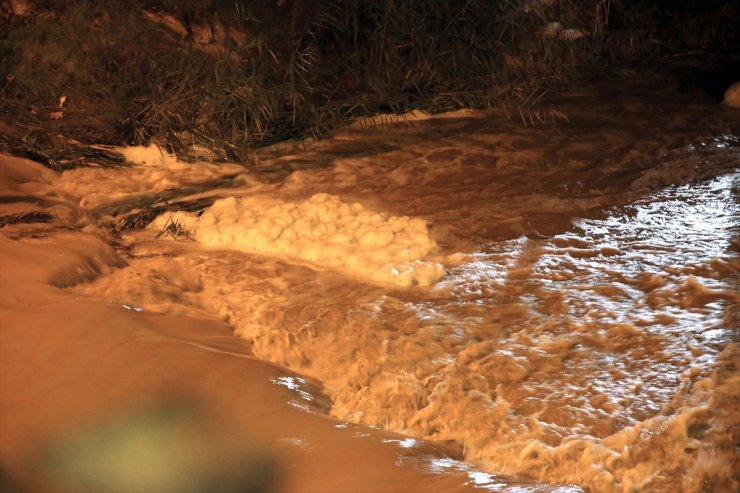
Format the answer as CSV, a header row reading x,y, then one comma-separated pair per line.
x,y
584,332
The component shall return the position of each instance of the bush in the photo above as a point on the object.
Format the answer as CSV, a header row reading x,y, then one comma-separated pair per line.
x,y
235,75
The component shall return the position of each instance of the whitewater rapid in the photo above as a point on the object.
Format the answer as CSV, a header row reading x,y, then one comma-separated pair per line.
x,y
557,303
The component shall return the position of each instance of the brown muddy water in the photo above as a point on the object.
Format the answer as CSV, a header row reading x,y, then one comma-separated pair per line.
x,y
582,335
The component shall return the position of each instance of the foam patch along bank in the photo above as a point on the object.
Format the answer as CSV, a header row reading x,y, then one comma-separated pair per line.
x,y
151,155
322,230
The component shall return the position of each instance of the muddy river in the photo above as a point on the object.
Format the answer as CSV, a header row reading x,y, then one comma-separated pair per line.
x,y
498,301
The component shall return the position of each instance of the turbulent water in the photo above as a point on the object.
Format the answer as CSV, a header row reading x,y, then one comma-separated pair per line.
x,y
585,330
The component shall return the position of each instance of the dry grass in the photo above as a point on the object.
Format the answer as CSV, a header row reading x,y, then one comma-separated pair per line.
x,y
235,75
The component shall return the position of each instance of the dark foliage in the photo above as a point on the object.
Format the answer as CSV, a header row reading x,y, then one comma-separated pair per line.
x,y
234,75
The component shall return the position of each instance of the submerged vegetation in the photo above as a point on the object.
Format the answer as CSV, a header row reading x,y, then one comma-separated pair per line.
x,y
233,75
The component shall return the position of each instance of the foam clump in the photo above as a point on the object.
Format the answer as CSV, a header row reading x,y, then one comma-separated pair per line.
x,y
151,155
326,231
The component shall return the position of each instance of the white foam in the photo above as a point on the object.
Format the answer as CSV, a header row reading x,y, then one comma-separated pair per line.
x,y
322,230
151,155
